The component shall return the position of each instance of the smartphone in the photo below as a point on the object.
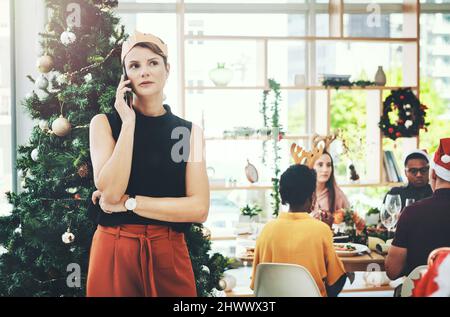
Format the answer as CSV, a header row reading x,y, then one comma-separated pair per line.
x,y
128,94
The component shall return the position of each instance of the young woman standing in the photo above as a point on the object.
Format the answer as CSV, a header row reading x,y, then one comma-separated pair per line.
x,y
151,180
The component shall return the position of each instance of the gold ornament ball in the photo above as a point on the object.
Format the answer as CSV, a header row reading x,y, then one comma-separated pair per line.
x,y
61,126
45,64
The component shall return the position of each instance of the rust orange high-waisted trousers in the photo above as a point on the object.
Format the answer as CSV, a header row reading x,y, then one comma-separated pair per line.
x,y
139,260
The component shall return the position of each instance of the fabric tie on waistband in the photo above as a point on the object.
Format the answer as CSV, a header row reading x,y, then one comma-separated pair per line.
x,y
148,278
146,258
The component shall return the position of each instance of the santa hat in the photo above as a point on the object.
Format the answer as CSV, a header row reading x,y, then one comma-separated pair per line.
x,y
441,163
417,151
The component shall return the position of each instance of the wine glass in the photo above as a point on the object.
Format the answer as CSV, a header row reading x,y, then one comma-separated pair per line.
x,y
388,219
393,204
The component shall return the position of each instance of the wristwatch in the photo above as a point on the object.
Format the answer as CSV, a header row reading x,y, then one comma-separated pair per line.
x,y
130,203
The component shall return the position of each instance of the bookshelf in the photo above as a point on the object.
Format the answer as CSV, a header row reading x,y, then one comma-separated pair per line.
x,y
319,99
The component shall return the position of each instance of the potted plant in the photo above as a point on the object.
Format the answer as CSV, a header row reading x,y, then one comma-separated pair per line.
x,y
372,217
250,213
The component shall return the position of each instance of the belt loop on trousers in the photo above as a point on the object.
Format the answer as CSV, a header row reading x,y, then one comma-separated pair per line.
x,y
170,233
118,232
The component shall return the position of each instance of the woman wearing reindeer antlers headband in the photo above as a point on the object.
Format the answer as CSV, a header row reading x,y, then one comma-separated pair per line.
x,y
150,172
329,197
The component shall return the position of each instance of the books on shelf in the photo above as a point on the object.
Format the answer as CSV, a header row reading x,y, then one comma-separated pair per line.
x,y
393,172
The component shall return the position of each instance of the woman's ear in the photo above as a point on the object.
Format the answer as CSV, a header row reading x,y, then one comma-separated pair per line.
x,y
168,70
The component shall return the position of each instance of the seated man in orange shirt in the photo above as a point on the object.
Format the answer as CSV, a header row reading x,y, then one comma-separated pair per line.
x,y
297,238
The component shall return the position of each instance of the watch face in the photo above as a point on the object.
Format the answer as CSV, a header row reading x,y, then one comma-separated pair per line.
x,y
130,204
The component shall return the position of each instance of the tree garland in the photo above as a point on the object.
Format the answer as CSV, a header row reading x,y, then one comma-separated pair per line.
x,y
276,146
403,115
263,111
277,135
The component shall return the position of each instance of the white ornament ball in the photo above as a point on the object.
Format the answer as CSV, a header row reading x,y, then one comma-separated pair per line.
x,y
68,237
206,269
45,63
408,123
35,154
445,158
41,82
61,126
88,78
43,124
29,95
67,37
18,230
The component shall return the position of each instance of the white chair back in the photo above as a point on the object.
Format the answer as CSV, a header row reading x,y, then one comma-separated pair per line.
x,y
284,280
408,284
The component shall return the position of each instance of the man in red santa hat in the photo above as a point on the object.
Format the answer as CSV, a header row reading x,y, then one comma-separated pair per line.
x,y
423,226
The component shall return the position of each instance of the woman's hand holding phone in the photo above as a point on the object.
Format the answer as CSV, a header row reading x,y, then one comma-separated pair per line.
x,y
126,112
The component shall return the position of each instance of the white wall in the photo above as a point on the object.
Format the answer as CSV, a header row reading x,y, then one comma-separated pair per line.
x,y
29,21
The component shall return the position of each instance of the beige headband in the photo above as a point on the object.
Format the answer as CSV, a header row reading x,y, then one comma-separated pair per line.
x,y
139,37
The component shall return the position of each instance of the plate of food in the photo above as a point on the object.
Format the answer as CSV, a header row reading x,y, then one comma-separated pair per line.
x,y
350,249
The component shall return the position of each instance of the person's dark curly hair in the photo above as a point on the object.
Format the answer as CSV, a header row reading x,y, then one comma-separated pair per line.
x,y
297,184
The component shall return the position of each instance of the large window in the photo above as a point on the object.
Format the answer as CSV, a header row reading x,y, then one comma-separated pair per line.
x,y
260,39
435,75
5,106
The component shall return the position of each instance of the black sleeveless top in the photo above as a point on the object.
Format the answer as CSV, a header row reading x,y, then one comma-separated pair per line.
x,y
158,168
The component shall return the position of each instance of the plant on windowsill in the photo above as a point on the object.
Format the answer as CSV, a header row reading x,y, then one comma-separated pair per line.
x,y
251,212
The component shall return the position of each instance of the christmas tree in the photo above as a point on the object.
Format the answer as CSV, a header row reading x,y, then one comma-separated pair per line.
x,y
47,235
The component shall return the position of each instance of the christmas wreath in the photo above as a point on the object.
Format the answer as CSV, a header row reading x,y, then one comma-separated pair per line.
x,y
403,115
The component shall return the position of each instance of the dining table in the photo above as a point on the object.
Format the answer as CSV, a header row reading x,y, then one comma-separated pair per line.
x,y
356,287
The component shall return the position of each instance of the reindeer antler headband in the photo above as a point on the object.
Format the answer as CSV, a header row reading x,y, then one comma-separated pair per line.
x,y
320,144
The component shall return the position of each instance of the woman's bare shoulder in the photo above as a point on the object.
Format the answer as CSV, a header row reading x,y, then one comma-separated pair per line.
x,y
100,125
